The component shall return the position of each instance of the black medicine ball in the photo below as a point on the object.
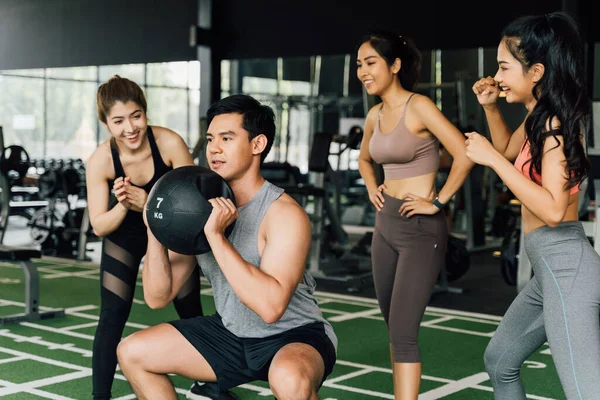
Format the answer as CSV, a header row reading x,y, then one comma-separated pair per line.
x,y
177,208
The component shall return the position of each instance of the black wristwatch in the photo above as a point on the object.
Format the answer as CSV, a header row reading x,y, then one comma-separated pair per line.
x,y
438,203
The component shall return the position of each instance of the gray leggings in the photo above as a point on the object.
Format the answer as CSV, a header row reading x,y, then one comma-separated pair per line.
x,y
406,254
560,304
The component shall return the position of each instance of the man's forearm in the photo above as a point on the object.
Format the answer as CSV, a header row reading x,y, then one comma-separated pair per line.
x,y
156,274
260,292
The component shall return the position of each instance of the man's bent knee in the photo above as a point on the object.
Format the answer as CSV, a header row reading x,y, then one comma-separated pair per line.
x,y
291,382
130,351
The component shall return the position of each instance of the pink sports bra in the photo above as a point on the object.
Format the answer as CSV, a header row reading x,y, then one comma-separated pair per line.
x,y
522,158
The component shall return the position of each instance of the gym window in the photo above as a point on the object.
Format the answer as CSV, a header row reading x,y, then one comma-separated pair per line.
x,y
51,112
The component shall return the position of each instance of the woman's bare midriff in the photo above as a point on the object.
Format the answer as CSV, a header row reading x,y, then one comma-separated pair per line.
x,y
531,222
422,186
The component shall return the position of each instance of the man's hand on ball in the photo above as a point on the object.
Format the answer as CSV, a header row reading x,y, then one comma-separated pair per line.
x,y
224,212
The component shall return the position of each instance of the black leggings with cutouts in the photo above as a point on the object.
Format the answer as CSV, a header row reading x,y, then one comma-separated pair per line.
x,y
121,257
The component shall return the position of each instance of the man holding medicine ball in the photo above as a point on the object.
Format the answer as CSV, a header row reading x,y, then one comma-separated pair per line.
x,y
268,325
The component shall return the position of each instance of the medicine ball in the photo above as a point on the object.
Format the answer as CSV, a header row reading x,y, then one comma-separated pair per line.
x,y
177,208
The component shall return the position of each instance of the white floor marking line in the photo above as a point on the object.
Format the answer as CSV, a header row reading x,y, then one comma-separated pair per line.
x,y
62,261
45,360
345,315
126,397
81,326
324,301
529,396
338,312
87,307
70,347
40,393
362,300
23,387
90,274
62,331
355,315
448,311
463,318
363,366
435,379
30,387
58,267
350,375
457,330
48,395
534,397
445,311
373,393
69,333
345,302
436,321
261,391
93,274
535,364
388,371
77,274
74,311
332,311
44,308
10,281
96,318
12,359
454,387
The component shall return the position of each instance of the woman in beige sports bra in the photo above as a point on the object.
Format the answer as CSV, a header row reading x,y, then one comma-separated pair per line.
x,y
409,241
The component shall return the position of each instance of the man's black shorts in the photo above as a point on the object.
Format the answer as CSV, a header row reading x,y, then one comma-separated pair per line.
x,y
236,361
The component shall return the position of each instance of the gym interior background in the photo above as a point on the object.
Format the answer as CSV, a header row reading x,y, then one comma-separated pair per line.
x,y
298,57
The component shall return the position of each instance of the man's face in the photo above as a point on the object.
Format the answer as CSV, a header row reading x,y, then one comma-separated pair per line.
x,y
228,151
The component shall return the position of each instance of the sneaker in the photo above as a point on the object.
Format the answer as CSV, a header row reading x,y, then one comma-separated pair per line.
x,y
210,391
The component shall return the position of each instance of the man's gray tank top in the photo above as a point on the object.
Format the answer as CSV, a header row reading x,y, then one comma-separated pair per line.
x,y
239,319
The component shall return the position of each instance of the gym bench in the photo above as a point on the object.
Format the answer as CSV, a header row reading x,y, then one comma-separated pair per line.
x,y
23,257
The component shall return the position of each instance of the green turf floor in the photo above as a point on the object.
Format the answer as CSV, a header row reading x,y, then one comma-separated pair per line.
x,y
51,359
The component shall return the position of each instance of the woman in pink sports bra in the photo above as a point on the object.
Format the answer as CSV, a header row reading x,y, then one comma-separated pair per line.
x,y
409,241
541,65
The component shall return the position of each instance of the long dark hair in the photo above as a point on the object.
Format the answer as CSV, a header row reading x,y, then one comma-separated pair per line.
x,y
391,46
562,93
